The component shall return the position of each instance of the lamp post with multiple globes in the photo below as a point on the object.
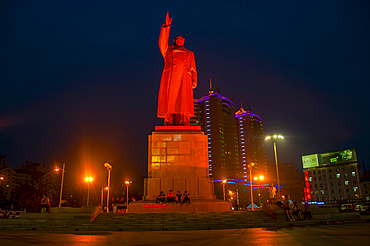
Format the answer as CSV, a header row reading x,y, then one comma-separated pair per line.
x,y
274,139
88,180
259,179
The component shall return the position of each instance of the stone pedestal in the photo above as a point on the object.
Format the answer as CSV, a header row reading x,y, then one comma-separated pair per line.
x,y
178,161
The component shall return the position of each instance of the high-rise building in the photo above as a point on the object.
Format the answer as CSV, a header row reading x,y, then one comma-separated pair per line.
x,y
216,116
251,143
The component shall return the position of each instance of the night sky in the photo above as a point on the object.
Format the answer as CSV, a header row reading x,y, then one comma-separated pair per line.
x,y
80,79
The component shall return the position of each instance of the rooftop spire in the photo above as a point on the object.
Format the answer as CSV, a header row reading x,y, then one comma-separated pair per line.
x,y
241,110
210,86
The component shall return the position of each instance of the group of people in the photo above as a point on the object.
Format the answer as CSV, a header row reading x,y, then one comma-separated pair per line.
x,y
172,198
285,204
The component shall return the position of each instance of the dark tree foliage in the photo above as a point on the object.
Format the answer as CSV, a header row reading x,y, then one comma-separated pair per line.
x,y
28,194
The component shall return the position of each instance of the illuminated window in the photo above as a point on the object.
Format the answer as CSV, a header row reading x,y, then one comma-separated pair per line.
x,y
322,192
355,189
310,179
338,175
353,174
346,182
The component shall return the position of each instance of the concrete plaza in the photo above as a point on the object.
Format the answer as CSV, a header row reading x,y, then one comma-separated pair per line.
x,y
346,234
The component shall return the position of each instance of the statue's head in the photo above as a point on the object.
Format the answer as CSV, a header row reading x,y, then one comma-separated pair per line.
x,y
179,41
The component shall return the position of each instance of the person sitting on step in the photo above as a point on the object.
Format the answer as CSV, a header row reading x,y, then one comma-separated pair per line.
x,y
170,197
161,198
287,209
178,197
186,198
297,211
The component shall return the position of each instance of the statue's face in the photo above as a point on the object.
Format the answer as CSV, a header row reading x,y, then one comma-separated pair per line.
x,y
179,41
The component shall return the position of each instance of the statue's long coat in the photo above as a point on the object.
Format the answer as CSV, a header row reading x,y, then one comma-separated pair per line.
x,y
179,78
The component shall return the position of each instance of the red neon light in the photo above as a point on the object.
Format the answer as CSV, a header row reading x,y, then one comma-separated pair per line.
x,y
306,172
309,196
156,206
306,178
308,190
307,184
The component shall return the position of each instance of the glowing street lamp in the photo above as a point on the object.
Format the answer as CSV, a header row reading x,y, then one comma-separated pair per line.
x,y
259,179
88,180
109,167
56,169
250,166
274,139
224,184
127,183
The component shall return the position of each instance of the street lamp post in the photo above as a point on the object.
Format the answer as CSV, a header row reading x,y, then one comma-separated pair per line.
x,y
250,166
127,184
273,139
109,167
102,195
259,179
88,180
224,184
61,183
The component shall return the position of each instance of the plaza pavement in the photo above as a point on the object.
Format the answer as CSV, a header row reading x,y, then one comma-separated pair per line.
x,y
346,234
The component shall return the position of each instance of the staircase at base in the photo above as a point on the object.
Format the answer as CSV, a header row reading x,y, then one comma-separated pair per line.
x,y
183,221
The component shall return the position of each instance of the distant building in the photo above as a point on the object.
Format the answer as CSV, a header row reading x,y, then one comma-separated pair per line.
x,y
291,181
12,178
251,140
365,190
332,176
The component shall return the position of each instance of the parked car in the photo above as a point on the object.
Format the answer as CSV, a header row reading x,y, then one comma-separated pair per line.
x,y
361,208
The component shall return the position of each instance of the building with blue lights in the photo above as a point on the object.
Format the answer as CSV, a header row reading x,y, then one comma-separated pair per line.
x,y
251,143
216,116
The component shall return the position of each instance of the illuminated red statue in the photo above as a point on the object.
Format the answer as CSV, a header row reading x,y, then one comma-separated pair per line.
x,y
179,78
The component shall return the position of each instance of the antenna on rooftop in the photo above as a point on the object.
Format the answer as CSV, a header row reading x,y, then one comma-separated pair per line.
x,y
210,86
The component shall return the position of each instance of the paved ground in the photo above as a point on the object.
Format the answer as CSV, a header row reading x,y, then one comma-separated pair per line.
x,y
351,234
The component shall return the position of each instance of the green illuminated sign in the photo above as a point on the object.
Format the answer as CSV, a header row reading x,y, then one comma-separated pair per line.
x,y
309,161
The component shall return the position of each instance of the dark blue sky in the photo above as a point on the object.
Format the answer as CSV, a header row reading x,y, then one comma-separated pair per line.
x,y
80,79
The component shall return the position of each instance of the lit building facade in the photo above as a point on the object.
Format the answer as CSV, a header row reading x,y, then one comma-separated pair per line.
x,y
332,176
251,143
216,116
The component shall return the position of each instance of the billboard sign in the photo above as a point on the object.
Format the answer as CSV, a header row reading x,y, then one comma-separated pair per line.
x,y
337,157
310,161
323,159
